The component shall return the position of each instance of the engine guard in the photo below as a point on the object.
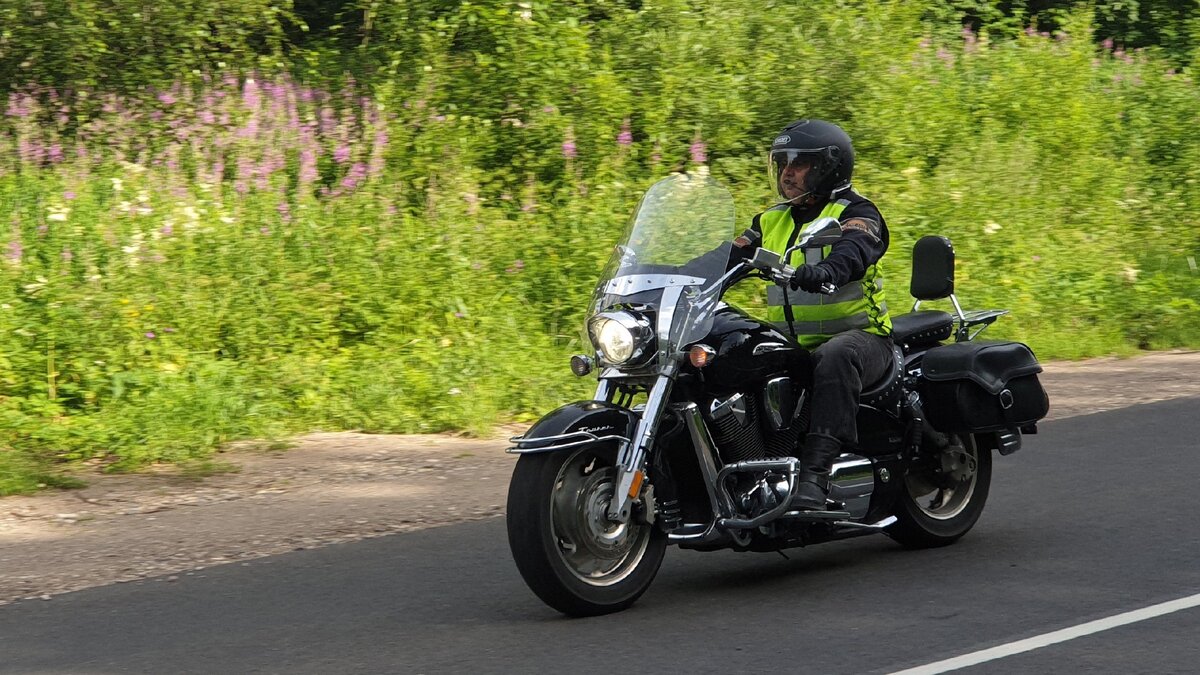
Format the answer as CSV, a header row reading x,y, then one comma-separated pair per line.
x,y
576,425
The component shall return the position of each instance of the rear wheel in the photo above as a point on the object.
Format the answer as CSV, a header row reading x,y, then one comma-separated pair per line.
x,y
943,498
569,553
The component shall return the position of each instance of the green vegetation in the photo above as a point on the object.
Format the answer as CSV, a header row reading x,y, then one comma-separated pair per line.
x,y
214,231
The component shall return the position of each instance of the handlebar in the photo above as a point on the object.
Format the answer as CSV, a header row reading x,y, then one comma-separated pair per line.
x,y
779,272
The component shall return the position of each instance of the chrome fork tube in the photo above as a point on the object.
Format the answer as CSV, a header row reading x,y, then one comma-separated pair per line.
x,y
603,391
633,455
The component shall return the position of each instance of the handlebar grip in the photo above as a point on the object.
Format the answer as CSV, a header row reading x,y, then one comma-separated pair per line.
x,y
828,288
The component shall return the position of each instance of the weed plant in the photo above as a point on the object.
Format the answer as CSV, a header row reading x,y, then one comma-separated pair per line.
x,y
245,255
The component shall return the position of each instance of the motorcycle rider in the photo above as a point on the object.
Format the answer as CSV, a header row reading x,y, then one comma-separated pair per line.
x,y
811,162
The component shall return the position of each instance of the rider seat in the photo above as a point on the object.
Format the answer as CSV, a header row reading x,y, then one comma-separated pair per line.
x,y
932,279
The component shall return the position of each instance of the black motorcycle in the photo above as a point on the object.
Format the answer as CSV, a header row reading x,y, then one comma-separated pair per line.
x,y
692,435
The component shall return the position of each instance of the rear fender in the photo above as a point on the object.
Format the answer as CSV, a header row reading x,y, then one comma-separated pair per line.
x,y
577,425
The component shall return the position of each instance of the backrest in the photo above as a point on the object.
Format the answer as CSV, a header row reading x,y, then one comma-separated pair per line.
x,y
932,268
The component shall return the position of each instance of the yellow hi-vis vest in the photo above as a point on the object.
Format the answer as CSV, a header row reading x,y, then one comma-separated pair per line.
x,y
816,317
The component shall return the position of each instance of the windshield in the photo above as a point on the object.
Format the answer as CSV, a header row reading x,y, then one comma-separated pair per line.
x,y
676,243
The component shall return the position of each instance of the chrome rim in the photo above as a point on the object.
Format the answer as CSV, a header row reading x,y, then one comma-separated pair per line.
x,y
946,494
594,549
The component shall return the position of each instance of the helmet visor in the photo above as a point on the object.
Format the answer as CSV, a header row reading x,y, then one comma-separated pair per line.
x,y
794,173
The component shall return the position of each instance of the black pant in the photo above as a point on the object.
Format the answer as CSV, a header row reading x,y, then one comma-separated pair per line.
x,y
841,368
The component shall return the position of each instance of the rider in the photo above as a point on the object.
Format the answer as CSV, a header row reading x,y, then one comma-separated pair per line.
x,y
811,162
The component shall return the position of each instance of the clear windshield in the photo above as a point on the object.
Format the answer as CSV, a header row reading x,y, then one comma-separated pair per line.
x,y
675,245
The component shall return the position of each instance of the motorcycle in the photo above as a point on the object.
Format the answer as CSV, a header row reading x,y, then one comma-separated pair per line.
x,y
691,437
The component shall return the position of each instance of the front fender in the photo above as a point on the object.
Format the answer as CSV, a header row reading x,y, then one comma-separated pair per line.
x,y
576,425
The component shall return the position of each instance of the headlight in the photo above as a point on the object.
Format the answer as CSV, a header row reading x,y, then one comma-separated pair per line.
x,y
621,337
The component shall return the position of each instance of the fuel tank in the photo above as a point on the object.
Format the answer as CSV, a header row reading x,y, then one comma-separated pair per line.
x,y
749,350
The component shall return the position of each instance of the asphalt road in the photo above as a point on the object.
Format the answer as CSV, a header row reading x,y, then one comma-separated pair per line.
x,y
1095,517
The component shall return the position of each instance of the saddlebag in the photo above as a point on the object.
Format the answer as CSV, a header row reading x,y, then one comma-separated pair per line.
x,y
982,386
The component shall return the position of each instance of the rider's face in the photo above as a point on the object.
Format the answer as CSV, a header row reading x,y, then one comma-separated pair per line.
x,y
791,180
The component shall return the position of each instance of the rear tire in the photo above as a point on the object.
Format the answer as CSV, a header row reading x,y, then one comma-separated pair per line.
x,y
936,509
568,552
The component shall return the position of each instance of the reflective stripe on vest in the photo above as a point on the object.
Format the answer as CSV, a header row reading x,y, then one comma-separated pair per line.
x,y
817,317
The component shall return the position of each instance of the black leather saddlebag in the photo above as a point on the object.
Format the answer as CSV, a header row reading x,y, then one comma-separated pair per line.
x,y
982,386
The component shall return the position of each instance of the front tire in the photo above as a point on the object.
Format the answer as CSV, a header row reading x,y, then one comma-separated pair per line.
x,y
568,552
941,500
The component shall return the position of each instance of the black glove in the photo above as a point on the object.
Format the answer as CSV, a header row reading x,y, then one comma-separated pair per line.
x,y
810,278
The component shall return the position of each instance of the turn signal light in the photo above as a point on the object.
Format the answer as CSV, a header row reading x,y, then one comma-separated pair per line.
x,y
581,365
701,355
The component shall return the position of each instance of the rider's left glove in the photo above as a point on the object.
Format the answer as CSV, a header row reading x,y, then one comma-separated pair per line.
x,y
810,278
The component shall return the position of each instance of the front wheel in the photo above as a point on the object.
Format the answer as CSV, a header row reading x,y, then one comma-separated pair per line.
x,y
943,498
569,553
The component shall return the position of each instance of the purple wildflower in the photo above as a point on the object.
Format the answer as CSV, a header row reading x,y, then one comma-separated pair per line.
x,y
341,154
264,231
150,335
15,251
568,146
308,166
166,99
625,138
699,151
67,256
167,230
1107,44
355,176
285,211
250,97
68,195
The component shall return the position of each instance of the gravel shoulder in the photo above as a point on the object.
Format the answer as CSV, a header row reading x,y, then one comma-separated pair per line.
x,y
337,487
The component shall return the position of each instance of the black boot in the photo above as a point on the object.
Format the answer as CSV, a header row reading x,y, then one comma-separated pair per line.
x,y
816,459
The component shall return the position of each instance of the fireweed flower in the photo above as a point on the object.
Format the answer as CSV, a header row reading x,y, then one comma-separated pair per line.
x,y
355,177
568,146
15,252
699,151
625,138
150,335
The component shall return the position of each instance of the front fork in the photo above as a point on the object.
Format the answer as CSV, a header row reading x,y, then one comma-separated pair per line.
x,y
631,472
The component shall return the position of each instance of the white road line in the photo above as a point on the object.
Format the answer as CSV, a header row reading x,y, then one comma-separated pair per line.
x,y
1046,639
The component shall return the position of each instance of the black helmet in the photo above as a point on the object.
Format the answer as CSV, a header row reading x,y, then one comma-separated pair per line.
x,y
822,145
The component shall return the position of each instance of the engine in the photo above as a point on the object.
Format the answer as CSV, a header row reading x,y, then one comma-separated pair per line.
x,y
769,423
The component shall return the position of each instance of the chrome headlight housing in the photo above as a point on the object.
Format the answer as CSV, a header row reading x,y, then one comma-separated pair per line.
x,y
622,338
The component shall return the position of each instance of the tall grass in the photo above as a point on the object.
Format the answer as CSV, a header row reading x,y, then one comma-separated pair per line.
x,y
248,255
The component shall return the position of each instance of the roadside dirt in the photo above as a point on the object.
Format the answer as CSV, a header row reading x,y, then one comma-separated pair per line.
x,y
339,487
